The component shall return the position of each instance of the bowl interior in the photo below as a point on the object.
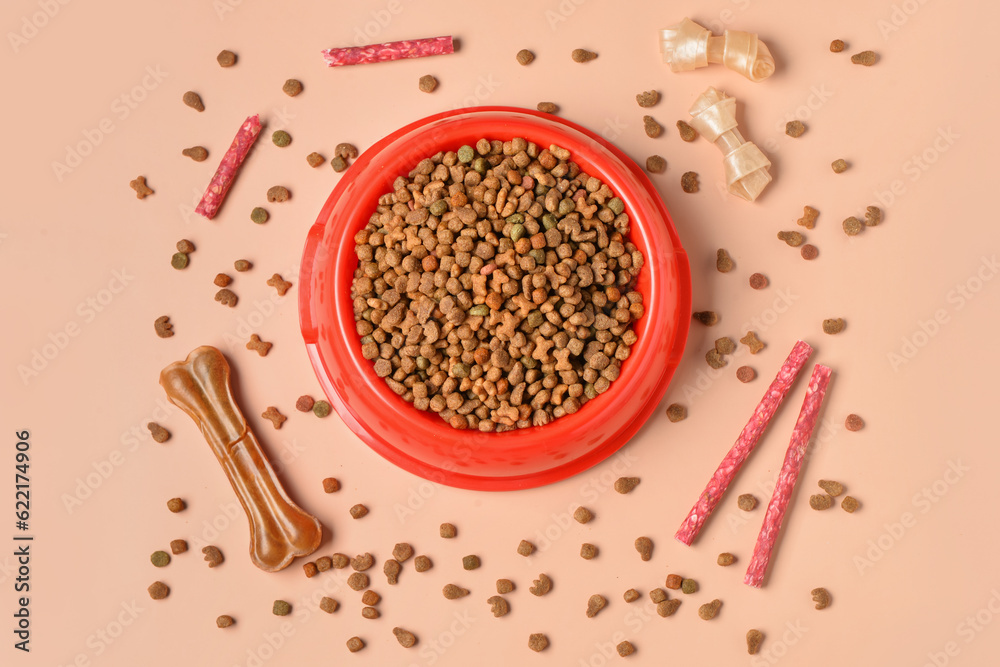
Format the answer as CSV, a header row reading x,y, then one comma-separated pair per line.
x,y
421,441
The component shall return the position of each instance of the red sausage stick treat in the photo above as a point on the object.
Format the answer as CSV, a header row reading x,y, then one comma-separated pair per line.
x,y
744,444
376,53
226,173
801,434
279,529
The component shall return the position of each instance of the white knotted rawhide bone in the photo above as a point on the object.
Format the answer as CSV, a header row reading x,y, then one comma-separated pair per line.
x,y
713,115
687,45
279,529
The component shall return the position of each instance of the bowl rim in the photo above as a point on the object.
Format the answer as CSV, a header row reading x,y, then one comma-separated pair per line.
x,y
328,243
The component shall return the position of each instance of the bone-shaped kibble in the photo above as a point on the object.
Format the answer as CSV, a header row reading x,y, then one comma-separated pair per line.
x,y
713,115
686,46
279,529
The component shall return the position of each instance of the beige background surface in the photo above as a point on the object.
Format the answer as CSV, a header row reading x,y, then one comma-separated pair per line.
x,y
86,271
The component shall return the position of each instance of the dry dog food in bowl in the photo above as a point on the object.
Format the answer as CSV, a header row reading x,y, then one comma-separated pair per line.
x,y
382,207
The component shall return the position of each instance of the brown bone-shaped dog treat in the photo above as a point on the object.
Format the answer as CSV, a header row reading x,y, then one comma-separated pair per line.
x,y
279,529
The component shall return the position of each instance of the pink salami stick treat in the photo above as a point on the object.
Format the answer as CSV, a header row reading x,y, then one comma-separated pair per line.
x,y
790,469
226,173
731,464
377,53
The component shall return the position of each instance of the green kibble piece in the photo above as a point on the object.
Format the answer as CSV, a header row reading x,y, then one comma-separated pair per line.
x,y
538,254
535,319
516,232
321,409
366,314
566,206
516,219
481,165
179,260
281,608
338,163
160,558
540,190
529,362
589,390
689,586
281,138
423,363
549,221
461,370
367,339
466,154
616,205
479,311
439,207
259,215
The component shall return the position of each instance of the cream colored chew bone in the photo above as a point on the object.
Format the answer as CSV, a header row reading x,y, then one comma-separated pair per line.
x,y
279,529
687,46
713,114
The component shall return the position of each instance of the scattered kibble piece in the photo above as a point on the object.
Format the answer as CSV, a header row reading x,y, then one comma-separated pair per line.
x,y
674,581
853,226
427,83
504,586
498,606
547,107
310,569
405,638
809,252
354,644
657,595
651,127
793,239
808,219
667,607
331,485
725,345
324,563
595,604
689,586
402,552
422,563
795,128
346,150
833,325
176,505
836,46
745,374
338,163
625,649
160,559
272,414
714,359
453,592
820,501
340,561
687,132
644,546
676,412
582,55
448,530
226,297
305,403
839,166
278,193
358,581
831,487
689,182
185,246
758,281
541,585
472,562
854,422
726,559
583,515
723,262
329,605
588,551
292,87
626,484
242,265
524,57
141,189
866,58
873,216
280,284
321,409
538,642
655,164
158,590
314,159
259,346
746,502
213,556
751,341
821,597
196,153
178,546
280,138
158,433
362,562
281,608
525,548
706,317
226,58
225,620
708,610
755,637
391,569
631,595
222,280
647,98
849,504
358,511
193,100
259,215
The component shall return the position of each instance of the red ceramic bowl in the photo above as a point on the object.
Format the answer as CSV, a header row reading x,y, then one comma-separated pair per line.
x,y
422,442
